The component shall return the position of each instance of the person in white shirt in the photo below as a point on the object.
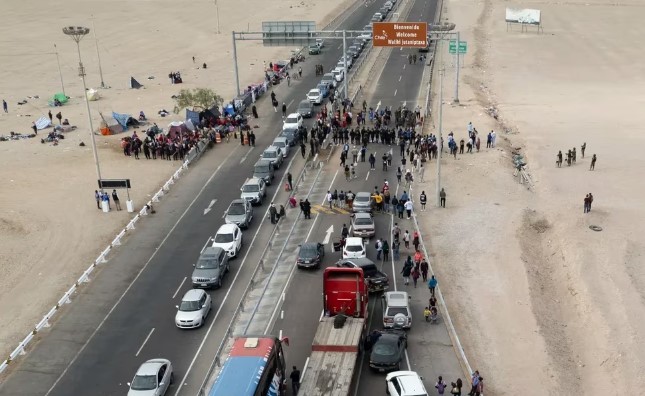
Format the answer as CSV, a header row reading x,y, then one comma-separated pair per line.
x,y
408,208
329,198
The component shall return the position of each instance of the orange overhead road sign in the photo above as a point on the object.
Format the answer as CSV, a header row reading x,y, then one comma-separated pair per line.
x,y
400,34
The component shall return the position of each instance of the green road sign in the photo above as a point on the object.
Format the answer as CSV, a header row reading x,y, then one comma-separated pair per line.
x,y
452,47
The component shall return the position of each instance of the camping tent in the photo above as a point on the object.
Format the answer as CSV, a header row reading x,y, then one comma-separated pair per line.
x,y
123,119
61,98
134,84
92,95
176,129
110,126
43,122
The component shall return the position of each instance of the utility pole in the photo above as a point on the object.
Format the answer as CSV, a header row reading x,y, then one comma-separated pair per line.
x,y
440,138
98,55
345,63
60,73
237,76
457,72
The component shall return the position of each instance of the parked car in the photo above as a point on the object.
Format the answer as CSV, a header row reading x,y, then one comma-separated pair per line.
x,y
283,144
384,11
314,50
388,351
310,255
354,248
229,238
389,5
314,96
193,309
293,120
305,109
353,52
210,268
274,155
362,202
376,280
240,211
292,134
153,378
339,74
363,225
254,190
349,60
328,77
376,18
324,90
405,383
320,43
263,169
379,16
367,36
396,310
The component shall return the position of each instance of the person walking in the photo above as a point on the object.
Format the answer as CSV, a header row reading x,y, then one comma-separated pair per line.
x,y
49,113
303,149
386,250
330,198
408,208
273,213
284,110
590,202
5,107
593,163
115,198
407,270
415,276
586,204
479,391
442,198
295,380
416,240
432,284
379,249
406,239
34,127
440,386
290,180
424,270
583,148
395,249
98,198
474,382
456,387
423,199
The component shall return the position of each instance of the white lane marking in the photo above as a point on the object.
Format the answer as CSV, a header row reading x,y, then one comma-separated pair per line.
x,y
280,337
144,342
210,206
304,369
246,155
248,250
224,215
404,65
322,313
179,288
400,78
290,103
332,180
395,91
138,274
282,313
368,175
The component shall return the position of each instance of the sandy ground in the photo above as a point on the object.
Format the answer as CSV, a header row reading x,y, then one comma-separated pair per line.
x,y
49,225
543,304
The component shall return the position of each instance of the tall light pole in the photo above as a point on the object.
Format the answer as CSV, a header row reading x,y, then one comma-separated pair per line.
x,y
440,139
60,73
77,33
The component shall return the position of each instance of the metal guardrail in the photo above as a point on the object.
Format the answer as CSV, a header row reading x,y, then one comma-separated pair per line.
x,y
240,306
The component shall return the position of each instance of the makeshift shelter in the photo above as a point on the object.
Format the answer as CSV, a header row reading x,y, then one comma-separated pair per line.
x,y
192,116
134,84
43,122
190,125
92,95
58,98
177,129
110,126
125,120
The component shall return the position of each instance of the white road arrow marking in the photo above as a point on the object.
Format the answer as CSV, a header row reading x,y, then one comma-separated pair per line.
x,y
404,103
210,206
246,155
330,230
378,105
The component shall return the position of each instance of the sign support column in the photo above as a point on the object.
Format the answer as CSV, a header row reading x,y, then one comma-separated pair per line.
x,y
345,78
237,77
457,72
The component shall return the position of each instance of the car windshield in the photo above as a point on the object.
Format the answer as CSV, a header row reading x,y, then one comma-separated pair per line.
x,y
270,154
327,78
292,120
369,270
308,251
189,306
384,349
250,188
393,311
223,238
144,382
362,198
354,248
207,263
364,221
237,209
279,144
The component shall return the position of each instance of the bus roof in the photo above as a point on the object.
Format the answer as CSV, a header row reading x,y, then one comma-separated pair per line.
x,y
243,367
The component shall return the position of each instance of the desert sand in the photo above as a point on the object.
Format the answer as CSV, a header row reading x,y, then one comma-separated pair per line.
x,y
50,227
543,304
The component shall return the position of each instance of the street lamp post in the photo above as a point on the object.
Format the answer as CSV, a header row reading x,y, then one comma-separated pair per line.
x,y
77,33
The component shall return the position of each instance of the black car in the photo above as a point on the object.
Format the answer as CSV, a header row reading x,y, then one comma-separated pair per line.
x,y
310,255
376,280
388,350
306,109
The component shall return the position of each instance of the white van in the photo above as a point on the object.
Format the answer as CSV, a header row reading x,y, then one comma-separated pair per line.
x,y
396,310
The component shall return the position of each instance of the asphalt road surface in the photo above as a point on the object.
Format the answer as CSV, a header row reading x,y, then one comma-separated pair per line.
x,y
400,81
126,315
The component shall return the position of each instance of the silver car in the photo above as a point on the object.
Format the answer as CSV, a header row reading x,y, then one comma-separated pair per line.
x,y
210,268
193,310
153,378
273,154
283,143
254,190
239,212
363,225
362,202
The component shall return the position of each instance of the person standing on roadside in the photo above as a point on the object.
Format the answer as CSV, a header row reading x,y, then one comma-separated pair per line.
x,y
5,107
407,270
423,199
432,285
424,270
416,240
284,110
442,196
115,198
379,249
474,382
295,380
590,202
289,180
386,250
395,249
98,197
440,385
303,149
330,198
406,239
586,204
415,276
593,163
408,208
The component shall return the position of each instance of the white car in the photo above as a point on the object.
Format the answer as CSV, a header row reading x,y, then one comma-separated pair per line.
x,y
354,248
314,96
339,74
229,238
193,310
152,378
349,60
283,144
293,120
405,383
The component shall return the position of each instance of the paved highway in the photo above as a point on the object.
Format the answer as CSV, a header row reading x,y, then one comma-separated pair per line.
x,y
400,81
126,315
